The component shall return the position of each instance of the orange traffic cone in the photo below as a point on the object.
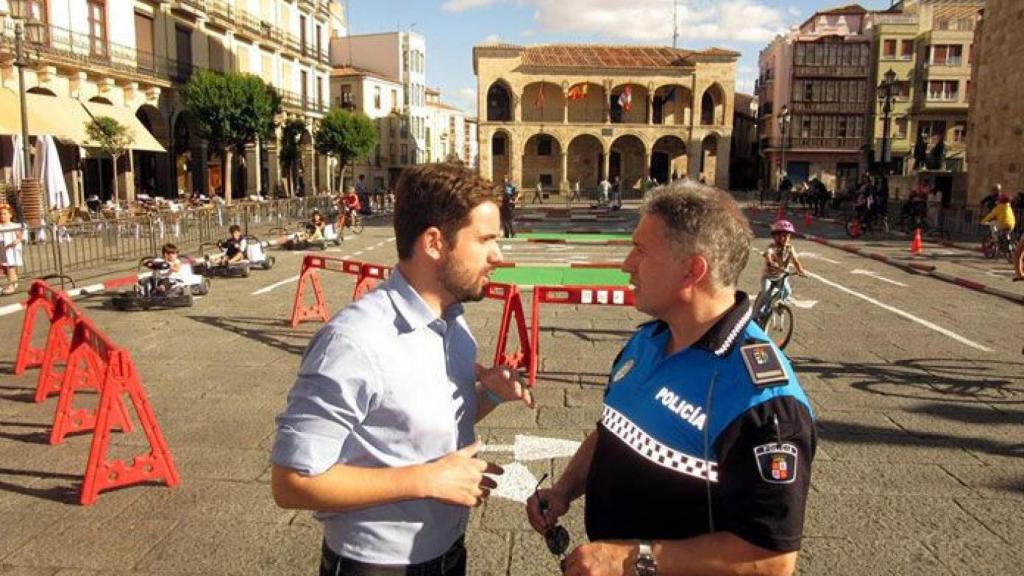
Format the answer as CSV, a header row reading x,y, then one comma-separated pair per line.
x,y
807,219
916,245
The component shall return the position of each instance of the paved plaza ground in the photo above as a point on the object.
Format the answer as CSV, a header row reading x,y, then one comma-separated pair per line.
x,y
917,385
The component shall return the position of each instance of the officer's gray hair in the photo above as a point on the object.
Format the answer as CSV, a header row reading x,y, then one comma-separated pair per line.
x,y
702,220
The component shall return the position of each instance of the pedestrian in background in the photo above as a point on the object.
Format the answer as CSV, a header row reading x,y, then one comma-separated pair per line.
x,y
604,188
701,462
11,238
378,434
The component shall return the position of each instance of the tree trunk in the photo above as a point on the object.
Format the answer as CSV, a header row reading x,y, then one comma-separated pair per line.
x,y
226,174
114,164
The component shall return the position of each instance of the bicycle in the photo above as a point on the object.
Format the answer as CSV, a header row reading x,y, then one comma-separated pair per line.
x,y
857,227
352,221
997,244
775,316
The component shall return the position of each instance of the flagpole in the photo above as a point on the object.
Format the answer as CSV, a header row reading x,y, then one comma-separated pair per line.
x,y
675,22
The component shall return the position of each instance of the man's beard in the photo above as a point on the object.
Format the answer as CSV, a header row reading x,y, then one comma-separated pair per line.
x,y
460,282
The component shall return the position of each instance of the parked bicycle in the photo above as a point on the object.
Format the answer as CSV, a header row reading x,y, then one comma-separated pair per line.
x,y
775,317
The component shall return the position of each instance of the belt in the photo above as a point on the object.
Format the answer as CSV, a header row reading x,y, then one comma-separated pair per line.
x,y
332,564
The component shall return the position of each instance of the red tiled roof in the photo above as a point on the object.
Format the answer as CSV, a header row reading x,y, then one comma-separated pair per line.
x,y
343,71
601,56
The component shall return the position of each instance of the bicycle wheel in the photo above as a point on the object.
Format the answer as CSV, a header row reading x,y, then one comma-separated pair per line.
x,y
989,247
853,228
357,225
779,326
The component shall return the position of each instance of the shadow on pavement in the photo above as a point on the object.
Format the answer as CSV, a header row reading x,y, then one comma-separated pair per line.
x,y
42,437
64,494
583,378
586,334
845,432
273,333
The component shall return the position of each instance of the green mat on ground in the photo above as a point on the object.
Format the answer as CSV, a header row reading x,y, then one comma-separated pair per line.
x,y
570,237
547,276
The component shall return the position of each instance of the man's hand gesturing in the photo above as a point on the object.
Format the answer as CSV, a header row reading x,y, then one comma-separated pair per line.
x,y
459,479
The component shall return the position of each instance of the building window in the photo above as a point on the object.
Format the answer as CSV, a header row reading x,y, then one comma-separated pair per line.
x,y
498,146
346,96
906,50
943,90
144,41
546,180
216,53
932,128
394,99
899,128
392,154
405,154
320,92
544,146
98,28
888,49
946,55
376,97
960,133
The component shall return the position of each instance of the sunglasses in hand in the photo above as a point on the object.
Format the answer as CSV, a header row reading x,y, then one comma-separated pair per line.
x,y
556,537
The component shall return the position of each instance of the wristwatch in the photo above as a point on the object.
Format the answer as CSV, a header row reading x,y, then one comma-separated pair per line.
x,y
645,564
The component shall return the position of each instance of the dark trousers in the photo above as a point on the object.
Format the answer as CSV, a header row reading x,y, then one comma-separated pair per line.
x,y
507,225
451,563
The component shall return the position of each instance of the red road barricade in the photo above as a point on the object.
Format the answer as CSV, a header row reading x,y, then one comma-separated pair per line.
x,y
302,312
572,295
92,360
513,310
369,276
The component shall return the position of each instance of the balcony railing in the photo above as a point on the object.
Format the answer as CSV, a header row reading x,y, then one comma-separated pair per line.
x,y
895,19
830,71
295,101
948,63
817,143
193,6
218,9
324,6
51,44
248,22
831,107
308,4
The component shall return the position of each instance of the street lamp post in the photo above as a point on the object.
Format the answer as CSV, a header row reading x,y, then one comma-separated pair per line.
x,y
20,62
785,117
888,83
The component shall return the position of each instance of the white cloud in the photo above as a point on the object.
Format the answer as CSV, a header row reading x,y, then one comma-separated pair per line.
x,y
492,39
529,33
745,76
794,11
460,5
465,100
651,20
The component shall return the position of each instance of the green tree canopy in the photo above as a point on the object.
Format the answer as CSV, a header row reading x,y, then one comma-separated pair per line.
x,y
348,136
112,137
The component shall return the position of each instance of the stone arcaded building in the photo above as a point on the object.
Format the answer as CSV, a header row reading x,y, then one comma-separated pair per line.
x,y
560,114
995,137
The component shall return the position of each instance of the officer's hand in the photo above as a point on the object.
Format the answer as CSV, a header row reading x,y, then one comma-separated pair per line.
x,y
504,382
600,559
458,478
557,505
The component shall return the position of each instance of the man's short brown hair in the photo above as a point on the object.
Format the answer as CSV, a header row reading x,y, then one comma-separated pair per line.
x,y
436,195
702,220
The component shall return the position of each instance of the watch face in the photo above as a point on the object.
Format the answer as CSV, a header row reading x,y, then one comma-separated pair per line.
x,y
645,566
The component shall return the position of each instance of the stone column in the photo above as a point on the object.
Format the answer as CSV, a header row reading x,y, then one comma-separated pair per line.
x,y
721,176
308,175
650,108
606,163
127,183
198,167
273,168
517,108
647,164
563,186
565,109
693,157
252,167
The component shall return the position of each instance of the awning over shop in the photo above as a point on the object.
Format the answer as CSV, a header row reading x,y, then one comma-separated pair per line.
x,y
57,116
144,140
10,117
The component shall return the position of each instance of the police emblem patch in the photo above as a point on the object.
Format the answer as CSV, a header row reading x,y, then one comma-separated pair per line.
x,y
776,462
623,370
763,364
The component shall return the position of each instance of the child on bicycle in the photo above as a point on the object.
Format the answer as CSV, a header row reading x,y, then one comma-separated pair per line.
x,y
1002,218
778,257
350,204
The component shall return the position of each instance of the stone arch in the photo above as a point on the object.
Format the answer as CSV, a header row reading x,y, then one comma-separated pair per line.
x,y
712,106
638,104
586,161
626,161
542,162
673,105
709,157
586,102
499,102
41,90
501,155
543,102
668,159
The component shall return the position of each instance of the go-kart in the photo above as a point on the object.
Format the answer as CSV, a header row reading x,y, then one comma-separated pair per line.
x,y
214,266
307,241
163,288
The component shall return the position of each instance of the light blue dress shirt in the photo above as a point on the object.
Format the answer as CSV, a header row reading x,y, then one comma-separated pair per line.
x,y
385,383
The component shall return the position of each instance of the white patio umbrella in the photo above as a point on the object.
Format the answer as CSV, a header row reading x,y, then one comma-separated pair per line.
x,y
48,170
17,162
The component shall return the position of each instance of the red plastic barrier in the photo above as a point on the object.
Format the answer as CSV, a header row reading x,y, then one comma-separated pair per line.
x,y
572,295
39,300
513,309
58,347
367,277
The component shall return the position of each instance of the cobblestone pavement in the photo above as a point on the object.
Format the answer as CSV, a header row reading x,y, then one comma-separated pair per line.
x,y
918,387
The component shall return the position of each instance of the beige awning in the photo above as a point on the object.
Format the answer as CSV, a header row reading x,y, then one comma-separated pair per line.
x,y
10,115
57,116
144,140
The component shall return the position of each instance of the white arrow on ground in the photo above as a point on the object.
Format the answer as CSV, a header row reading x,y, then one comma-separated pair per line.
x,y
804,304
816,256
517,483
526,448
877,276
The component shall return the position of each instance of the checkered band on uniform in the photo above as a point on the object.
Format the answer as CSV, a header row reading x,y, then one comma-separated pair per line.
x,y
655,451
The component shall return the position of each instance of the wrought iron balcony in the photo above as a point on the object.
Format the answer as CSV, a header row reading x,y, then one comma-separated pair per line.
x,y
831,107
847,144
192,6
841,71
221,10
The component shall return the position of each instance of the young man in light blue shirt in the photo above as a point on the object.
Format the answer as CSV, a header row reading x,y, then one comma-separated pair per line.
x,y
377,437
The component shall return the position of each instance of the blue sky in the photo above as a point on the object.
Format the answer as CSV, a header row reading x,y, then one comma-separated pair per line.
x,y
453,27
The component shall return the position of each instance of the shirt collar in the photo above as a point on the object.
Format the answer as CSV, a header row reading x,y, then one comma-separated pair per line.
x,y
720,338
411,307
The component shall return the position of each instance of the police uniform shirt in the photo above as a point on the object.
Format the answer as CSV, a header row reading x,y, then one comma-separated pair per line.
x,y
385,383
726,415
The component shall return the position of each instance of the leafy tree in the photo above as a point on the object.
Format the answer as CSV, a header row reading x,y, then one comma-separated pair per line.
x,y
289,152
347,136
230,111
112,137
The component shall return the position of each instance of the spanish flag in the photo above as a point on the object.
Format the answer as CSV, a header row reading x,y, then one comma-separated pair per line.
x,y
578,92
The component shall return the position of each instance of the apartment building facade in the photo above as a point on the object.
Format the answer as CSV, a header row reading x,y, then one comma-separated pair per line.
x,y
381,99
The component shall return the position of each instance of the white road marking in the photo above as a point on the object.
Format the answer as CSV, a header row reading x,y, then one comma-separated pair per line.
x,y
527,448
902,314
275,285
10,309
816,256
357,253
516,484
877,276
803,304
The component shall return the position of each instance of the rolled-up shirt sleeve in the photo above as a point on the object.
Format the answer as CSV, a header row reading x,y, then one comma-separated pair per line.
x,y
335,390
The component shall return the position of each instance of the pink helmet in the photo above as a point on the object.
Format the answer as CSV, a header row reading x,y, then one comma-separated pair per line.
x,y
783,226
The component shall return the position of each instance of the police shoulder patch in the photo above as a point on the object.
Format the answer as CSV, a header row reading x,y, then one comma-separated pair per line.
x,y
623,370
776,462
764,364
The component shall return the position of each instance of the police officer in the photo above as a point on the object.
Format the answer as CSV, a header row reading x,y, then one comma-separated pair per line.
x,y
378,433
701,461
